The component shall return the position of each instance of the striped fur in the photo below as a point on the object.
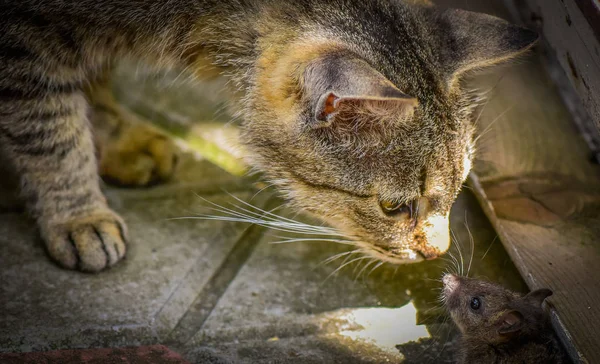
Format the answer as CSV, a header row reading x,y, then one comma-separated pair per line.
x,y
53,52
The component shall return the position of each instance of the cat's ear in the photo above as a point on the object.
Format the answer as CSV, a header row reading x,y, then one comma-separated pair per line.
x,y
337,83
474,40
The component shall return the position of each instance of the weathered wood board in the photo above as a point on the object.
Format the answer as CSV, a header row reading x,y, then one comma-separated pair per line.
x,y
534,177
542,194
572,28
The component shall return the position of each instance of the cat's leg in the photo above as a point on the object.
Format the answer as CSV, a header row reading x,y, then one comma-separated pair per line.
x,y
131,152
45,130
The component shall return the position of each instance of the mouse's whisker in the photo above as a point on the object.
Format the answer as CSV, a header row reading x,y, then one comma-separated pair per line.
x,y
489,247
455,264
458,247
472,243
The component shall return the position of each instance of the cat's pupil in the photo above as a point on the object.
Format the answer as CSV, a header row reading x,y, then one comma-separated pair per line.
x,y
475,303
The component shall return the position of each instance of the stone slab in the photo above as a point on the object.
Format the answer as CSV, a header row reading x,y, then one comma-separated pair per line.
x,y
141,299
155,354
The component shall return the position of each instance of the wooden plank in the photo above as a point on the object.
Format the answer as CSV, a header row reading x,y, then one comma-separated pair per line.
x,y
572,28
537,185
542,195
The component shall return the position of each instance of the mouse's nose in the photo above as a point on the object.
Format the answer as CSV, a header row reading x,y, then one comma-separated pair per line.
x,y
450,281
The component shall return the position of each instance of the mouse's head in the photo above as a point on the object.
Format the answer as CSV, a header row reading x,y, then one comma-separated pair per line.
x,y
488,312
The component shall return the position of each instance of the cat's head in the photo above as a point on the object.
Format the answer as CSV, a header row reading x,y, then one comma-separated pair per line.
x,y
361,121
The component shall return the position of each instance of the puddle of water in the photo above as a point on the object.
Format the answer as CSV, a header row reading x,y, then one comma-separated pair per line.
x,y
379,325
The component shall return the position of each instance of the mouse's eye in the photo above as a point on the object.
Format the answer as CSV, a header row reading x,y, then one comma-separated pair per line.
x,y
475,303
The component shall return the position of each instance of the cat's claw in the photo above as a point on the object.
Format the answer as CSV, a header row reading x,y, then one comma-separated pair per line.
x,y
90,244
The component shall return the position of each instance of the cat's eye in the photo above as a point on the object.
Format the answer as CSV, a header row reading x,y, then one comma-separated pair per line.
x,y
394,208
475,303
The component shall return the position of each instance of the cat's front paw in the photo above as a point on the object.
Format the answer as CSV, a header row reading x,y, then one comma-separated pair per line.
x,y
140,156
90,243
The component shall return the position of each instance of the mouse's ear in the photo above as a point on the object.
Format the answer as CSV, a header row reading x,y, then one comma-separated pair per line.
x,y
538,296
510,323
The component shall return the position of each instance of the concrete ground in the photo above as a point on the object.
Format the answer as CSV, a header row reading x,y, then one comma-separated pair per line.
x,y
226,292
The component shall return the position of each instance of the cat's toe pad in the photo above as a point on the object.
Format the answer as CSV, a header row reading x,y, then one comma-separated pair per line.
x,y
89,244
142,156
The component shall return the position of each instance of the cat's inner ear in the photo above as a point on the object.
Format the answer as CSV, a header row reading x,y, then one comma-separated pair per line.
x,y
343,86
474,40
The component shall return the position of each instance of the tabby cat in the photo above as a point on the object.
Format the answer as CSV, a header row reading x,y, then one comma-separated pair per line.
x,y
354,108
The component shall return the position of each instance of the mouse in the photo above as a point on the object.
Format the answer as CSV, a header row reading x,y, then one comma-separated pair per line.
x,y
498,325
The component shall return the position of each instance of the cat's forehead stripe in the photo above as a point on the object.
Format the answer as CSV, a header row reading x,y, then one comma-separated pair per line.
x,y
329,187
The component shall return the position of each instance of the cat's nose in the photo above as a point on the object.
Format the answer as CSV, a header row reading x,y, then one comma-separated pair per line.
x,y
437,232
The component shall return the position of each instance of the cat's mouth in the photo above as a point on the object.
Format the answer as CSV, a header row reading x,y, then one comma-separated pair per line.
x,y
394,256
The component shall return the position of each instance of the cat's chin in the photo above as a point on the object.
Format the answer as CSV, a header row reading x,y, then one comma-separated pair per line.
x,y
404,256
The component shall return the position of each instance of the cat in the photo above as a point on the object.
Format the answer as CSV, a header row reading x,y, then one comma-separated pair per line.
x,y
353,108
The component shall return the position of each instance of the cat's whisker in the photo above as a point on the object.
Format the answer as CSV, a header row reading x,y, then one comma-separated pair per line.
x,y
234,213
264,214
491,124
261,217
487,101
219,208
375,268
467,187
395,271
328,230
296,240
263,189
279,226
373,260
337,256
483,141
238,213
492,162
344,265
350,255
417,209
356,266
